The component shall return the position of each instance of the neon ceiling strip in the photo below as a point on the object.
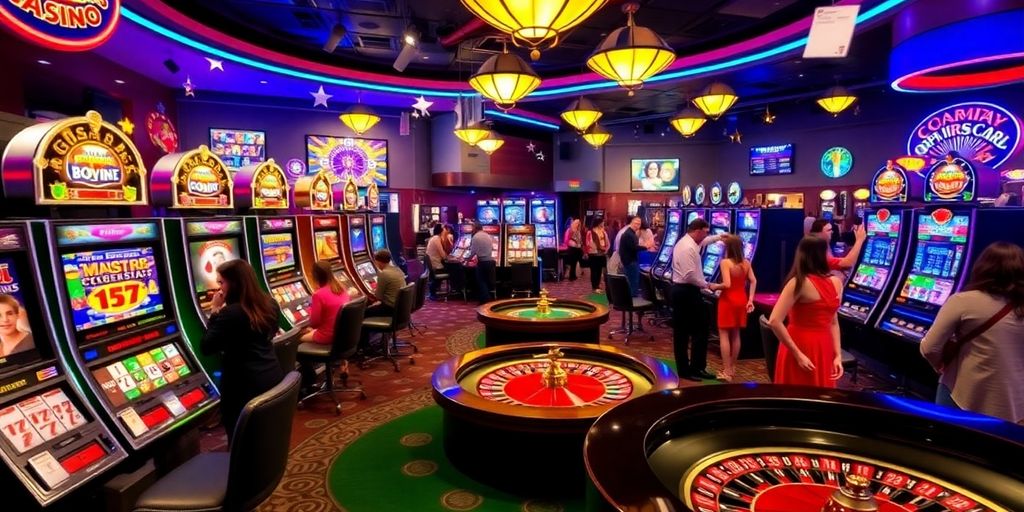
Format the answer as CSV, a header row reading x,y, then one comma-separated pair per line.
x,y
521,119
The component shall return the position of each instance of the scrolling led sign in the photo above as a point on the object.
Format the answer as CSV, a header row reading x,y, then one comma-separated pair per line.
x,y
64,25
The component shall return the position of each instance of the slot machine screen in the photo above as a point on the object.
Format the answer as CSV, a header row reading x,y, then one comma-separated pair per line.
x,y
747,220
674,217
327,246
515,214
238,148
278,251
357,238
377,233
488,214
871,276
692,216
543,214
111,285
941,249
141,374
368,274
748,238
206,256
18,319
546,230
720,219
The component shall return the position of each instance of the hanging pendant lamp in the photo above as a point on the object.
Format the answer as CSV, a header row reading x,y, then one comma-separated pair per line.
x,y
836,99
631,54
491,143
581,114
534,24
359,118
715,99
688,121
472,134
597,136
505,79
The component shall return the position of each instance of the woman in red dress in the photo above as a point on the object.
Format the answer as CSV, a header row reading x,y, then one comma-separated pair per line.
x,y
734,304
809,352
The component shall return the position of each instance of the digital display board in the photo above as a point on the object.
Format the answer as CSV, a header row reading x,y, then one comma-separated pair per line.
x,y
238,148
111,285
771,160
366,160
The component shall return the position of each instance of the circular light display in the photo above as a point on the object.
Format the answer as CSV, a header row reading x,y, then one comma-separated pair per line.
x,y
836,162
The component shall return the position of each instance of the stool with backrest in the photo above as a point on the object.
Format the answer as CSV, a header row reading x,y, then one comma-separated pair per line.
x,y
521,275
422,282
548,259
286,351
648,290
456,278
388,326
347,329
621,299
242,478
443,278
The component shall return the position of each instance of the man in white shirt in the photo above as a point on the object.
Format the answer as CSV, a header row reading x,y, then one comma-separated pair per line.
x,y
436,257
690,314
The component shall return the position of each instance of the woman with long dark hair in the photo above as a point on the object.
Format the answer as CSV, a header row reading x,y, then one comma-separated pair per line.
x,y
243,322
735,303
330,296
809,352
977,340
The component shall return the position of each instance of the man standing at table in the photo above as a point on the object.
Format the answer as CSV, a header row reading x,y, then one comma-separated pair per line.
x,y
690,314
481,246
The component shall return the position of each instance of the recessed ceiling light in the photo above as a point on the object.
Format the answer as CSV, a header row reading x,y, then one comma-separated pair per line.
x,y
44,62
801,75
263,82
118,81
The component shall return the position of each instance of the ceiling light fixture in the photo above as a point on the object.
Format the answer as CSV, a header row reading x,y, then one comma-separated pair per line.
x,y
533,24
631,54
836,99
491,143
334,38
505,79
688,121
411,36
472,134
715,99
597,136
359,118
44,62
581,114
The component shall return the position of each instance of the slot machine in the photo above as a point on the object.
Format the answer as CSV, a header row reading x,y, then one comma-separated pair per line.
x,y
378,232
513,211
888,224
488,211
827,204
520,245
544,215
53,440
662,268
320,240
721,224
653,213
275,262
770,237
462,243
495,230
357,252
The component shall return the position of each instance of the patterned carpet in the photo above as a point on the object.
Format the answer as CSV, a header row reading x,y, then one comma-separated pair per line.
x,y
319,436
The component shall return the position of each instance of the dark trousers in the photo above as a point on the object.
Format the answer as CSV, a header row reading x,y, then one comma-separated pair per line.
x,y
598,262
632,272
572,258
689,327
485,277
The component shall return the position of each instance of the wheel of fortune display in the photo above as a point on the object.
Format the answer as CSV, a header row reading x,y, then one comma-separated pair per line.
x,y
764,448
542,319
515,415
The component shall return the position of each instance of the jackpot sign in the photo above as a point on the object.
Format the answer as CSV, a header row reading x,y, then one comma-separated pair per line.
x,y
198,179
269,186
982,132
65,25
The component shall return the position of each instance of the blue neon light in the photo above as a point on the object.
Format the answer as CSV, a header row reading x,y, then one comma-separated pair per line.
x,y
521,119
936,412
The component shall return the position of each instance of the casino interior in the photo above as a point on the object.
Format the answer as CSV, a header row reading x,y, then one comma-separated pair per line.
x,y
149,143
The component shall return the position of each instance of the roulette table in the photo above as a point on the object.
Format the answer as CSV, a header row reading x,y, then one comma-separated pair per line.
x,y
764,448
518,320
515,415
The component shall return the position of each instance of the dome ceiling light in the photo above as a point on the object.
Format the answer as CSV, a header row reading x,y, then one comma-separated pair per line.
x,y
836,99
505,79
491,143
534,24
359,118
688,121
581,114
631,54
715,99
597,136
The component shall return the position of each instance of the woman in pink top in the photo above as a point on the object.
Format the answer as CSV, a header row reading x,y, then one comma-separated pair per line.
x,y
329,297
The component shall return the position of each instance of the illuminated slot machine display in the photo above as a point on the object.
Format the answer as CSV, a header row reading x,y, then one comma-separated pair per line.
x,y
121,325
513,211
721,224
495,231
462,243
378,232
488,211
544,215
748,226
52,440
358,252
520,244
283,276
327,247
662,268
653,214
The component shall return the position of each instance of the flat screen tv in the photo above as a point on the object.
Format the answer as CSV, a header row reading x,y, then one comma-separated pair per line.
x,y
366,160
654,175
771,160
238,148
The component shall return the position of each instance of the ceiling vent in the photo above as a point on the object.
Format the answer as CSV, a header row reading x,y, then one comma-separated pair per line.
x,y
374,42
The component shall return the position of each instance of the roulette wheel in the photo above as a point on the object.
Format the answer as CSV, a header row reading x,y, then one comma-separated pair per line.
x,y
515,415
541,319
763,448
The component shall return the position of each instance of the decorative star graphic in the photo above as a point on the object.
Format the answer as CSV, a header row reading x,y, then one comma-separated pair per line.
x,y
736,137
127,126
416,114
531,147
421,107
190,88
540,156
768,117
215,64
320,97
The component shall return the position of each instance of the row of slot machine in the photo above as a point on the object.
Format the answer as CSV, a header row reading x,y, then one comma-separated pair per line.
x,y
101,319
518,229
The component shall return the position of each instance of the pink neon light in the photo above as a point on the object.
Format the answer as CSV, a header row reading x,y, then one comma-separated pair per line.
x,y
919,81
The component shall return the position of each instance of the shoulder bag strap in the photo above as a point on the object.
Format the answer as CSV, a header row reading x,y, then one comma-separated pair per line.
x,y
953,347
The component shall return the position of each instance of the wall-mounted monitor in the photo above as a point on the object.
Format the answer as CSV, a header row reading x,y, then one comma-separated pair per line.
x,y
366,160
238,148
654,174
771,160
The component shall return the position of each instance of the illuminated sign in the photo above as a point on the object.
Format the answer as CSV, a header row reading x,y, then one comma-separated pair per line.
x,y
889,184
65,25
951,179
1013,174
574,184
734,193
314,192
373,197
687,195
75,161
198,179
295,168
982,132
269,186
698,194
351,198
161,132
836,162
716,193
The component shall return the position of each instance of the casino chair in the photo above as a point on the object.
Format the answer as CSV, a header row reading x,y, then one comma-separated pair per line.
x,y
347,329
521,275
444,279
548,258
389,326
621,299
648,290
419,301
770,344
240,479
456,279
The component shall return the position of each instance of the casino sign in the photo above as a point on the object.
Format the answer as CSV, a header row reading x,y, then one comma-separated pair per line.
x,y
75,161
889,184
314,192
950,180
195,179
263,186
982,132
63,25
716,193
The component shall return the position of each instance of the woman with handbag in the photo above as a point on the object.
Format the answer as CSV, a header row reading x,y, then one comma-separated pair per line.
x,y
977,341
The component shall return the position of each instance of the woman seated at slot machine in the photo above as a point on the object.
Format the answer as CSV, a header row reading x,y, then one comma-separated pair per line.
x,y
330,296
242,323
